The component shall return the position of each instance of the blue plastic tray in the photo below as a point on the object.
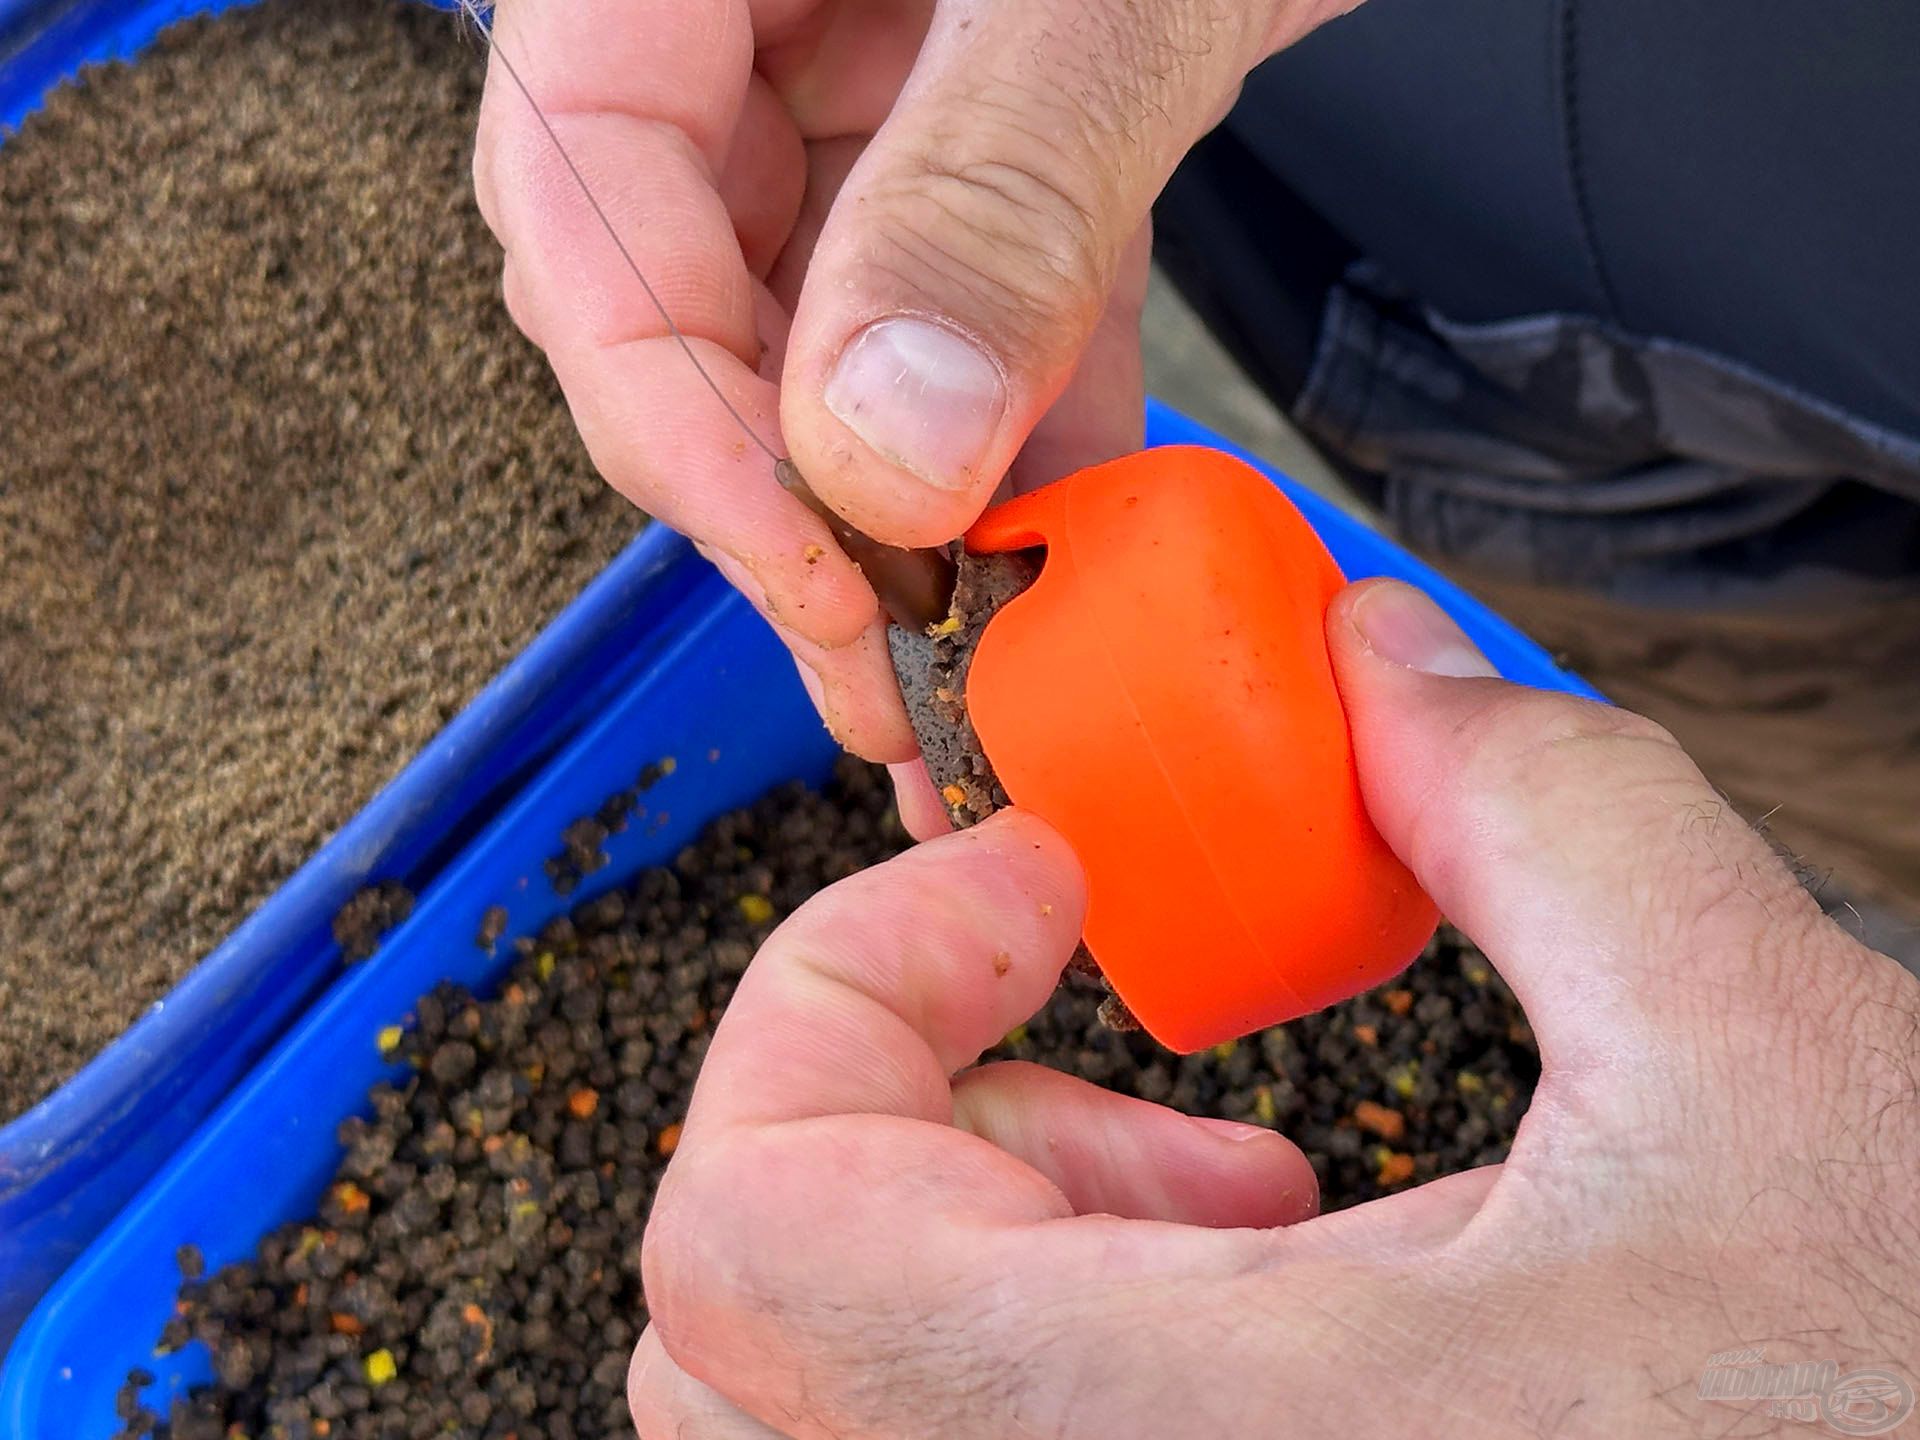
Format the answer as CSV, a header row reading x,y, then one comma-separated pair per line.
x,y
711,688
70,1163
42,42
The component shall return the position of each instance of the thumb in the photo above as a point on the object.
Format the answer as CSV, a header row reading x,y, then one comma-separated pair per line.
x,y
970,254
1573,841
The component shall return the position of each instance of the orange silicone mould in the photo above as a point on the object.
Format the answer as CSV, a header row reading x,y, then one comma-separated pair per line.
x,y
1163,697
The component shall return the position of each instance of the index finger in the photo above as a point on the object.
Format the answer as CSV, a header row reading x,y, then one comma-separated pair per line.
x,y
644,96
629,111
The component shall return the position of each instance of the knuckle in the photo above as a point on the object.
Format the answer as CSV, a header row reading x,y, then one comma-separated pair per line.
x,y
763,1281
1535,723
1532,764
647,1397
1748,932
680,1286
934,1369
1881,1073
710,1272
1699,879
519,303
1011,236
1537,743
1820,1008
485,199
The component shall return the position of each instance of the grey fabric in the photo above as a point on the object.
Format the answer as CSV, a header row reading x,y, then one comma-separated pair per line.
x,y
1560,448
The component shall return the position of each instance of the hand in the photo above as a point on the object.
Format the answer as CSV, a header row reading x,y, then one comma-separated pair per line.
x,y
861,1237
910,238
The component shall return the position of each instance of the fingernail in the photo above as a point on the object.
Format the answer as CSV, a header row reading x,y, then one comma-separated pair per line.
x,y
922,396
1401,624
1232,1130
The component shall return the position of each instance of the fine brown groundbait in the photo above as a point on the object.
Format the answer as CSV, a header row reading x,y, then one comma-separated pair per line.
x,y
281,488
932,669
473,1268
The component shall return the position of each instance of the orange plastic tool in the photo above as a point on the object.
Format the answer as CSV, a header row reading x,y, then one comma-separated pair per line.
x,y
1163,697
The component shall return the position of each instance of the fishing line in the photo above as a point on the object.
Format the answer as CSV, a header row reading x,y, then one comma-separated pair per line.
x,y
914,586
472,11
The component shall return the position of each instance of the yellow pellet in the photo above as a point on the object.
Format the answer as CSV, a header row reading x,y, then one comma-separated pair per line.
x,y
1263,1107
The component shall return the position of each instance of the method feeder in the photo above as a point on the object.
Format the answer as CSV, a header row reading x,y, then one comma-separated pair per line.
x,y
1162,695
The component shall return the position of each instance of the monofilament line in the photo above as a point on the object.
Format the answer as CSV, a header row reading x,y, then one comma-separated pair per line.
x,y
472,11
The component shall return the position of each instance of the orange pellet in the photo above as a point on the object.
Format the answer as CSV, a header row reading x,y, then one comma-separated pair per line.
x,y
1395,1168
953,795
342,1323
1398,1001
474,1316
583,1102
350,1197
1387,1123
1366,1034
669,1140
